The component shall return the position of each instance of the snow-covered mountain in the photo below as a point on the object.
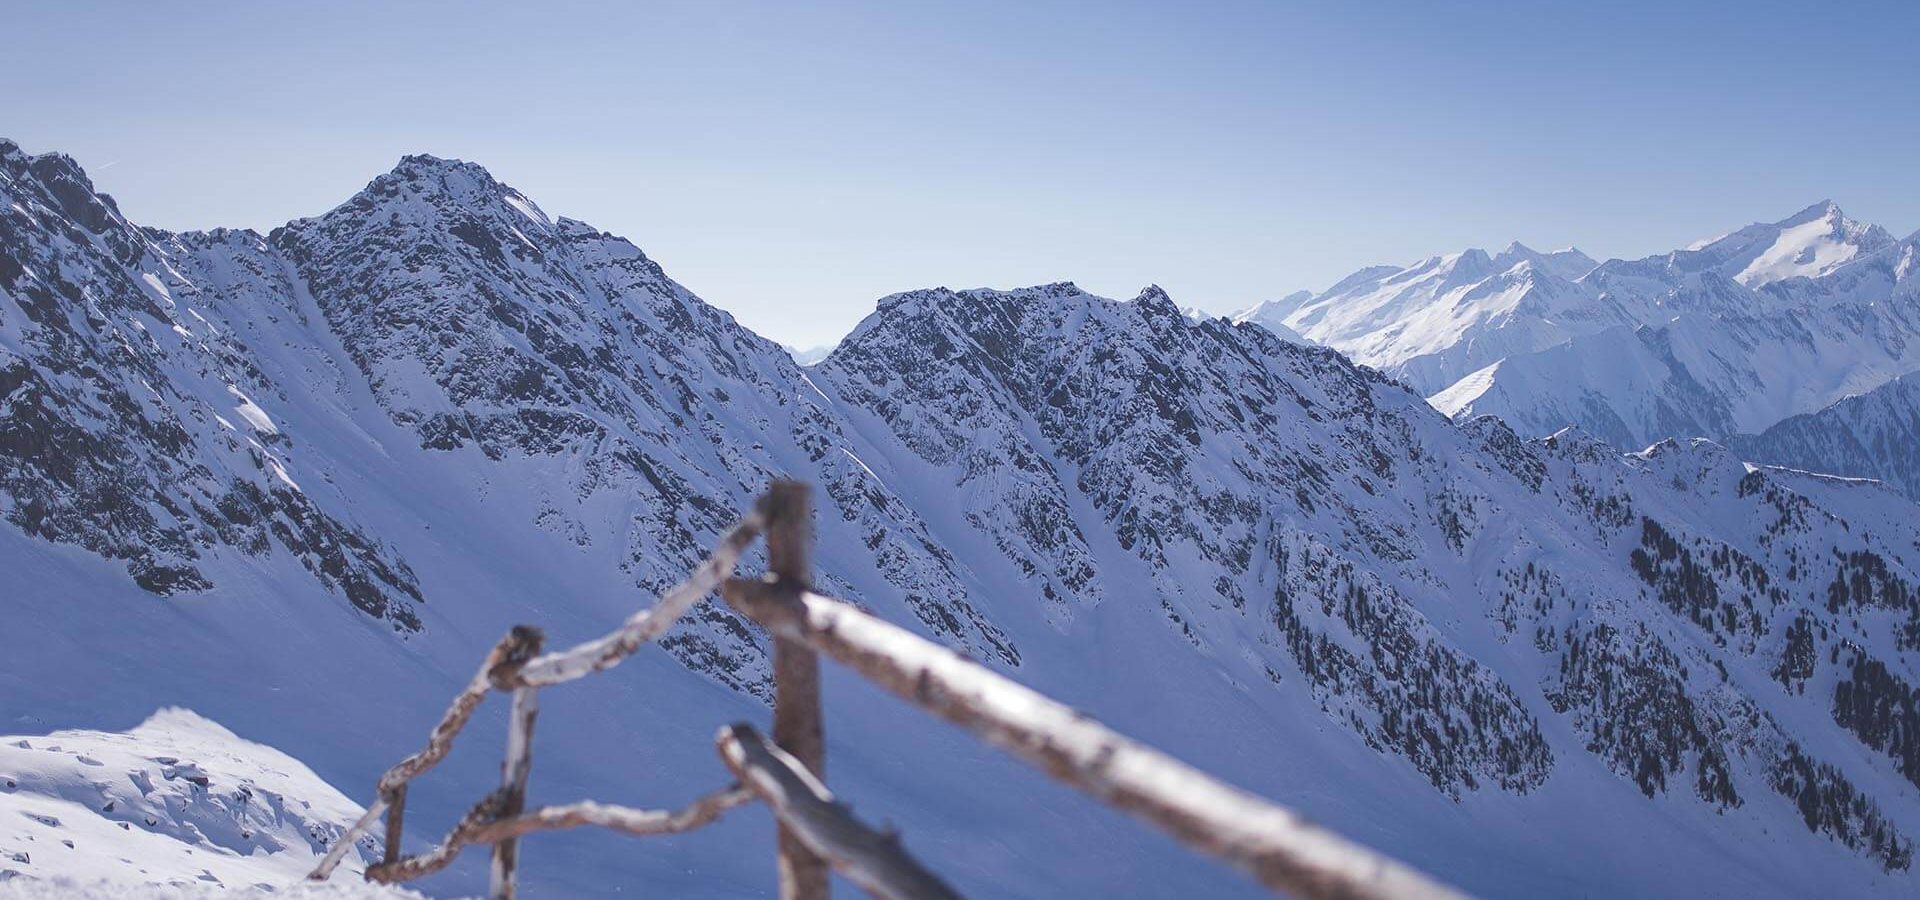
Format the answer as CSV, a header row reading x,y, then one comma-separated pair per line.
x,y
1717,354
1726,337
1434,321
300,481
1870,435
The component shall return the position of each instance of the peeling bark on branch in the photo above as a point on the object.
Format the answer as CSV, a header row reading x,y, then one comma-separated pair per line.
x,y
484,825
503,662
514,771
701,812
1273,844
648,624
873,859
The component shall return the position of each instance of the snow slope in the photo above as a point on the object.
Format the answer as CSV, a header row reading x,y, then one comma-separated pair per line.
x,y
175,800
300,481
95,889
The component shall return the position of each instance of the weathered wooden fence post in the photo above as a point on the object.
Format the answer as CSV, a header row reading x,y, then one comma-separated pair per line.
x,y
797,726
396,811
513,783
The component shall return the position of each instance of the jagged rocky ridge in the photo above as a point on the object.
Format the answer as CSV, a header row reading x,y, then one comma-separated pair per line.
x,y
1433,622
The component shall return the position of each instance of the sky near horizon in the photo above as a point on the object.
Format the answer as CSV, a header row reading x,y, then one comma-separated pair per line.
x,y
792,163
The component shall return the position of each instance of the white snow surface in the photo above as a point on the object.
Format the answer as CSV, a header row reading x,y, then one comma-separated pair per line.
x,y
175,800
97,889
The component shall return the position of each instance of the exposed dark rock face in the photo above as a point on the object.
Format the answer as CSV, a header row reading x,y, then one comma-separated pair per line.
x,y
109,439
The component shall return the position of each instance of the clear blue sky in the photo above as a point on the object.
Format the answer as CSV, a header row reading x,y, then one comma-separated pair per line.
x,y
792,163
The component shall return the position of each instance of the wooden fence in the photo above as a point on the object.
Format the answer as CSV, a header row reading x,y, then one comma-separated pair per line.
x,y
1273,844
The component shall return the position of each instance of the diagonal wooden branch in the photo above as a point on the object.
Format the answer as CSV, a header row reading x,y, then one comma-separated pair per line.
x,y
509,667
1270,842
408,868
502,664
647,624
703,811
484,825
873,859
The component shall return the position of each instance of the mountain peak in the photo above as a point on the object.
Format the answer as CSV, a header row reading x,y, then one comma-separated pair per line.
x,y
1569,263
416,164
1824,209
63,178
433,186
1158,307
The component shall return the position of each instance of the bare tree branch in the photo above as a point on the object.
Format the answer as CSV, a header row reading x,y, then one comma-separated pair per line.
x,y
503,662
1270,842
873,859
703,811
483,825
648,624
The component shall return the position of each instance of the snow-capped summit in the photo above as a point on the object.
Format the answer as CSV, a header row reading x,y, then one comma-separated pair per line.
x,y
1272,315
1445,317
1812,243
1569,263
1724,338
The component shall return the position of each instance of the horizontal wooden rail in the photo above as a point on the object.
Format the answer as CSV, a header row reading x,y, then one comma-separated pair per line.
x,y
484,825
701,812
1275,845
873,859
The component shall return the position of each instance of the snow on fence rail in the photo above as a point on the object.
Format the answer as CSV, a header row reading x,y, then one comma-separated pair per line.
x,y
1275,845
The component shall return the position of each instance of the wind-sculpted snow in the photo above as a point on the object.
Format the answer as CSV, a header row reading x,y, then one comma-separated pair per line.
x,y
456,413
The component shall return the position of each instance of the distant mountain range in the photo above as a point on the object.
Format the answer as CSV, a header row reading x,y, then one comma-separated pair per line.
x,y
1724,338
300,480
